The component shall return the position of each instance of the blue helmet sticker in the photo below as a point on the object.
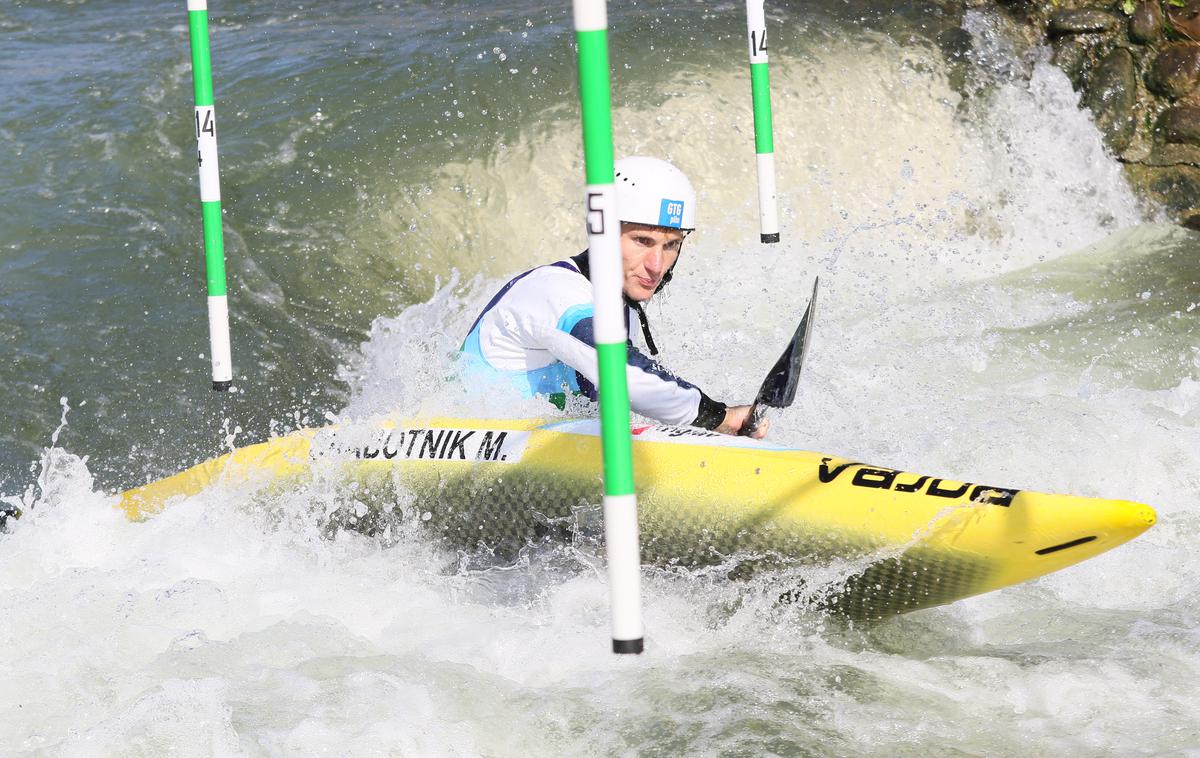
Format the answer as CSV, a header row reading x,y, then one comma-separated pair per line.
x,y
670,213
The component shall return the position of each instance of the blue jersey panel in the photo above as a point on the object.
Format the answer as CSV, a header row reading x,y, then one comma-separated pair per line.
x,y
557,377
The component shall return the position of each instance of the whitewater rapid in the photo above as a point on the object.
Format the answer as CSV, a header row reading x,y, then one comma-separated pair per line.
x,y
995,306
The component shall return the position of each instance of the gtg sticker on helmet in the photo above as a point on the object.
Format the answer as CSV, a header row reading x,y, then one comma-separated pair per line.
x,y
671,213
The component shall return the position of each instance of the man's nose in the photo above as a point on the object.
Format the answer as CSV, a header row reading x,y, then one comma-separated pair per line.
x,y
654,260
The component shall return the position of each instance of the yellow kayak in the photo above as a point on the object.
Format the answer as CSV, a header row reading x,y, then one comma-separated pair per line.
x,y
912,541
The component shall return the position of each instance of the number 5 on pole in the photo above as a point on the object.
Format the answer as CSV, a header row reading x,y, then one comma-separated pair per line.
x,y
210,196
604,255
764,147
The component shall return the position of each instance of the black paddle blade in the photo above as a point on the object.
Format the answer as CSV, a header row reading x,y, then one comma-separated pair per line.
x,y
778,390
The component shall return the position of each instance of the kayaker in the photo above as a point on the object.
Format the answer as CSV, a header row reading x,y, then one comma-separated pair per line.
x,y
536,332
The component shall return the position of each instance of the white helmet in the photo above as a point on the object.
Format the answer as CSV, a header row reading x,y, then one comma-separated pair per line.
x,y
653,192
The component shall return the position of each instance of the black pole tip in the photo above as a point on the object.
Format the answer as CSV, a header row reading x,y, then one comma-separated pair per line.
x,y
769,237
628,647
222,386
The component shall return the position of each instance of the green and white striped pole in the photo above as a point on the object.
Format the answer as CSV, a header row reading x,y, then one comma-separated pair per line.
x,y
764,143
604,246
210,196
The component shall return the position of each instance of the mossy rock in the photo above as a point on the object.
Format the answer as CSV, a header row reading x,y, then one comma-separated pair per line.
x,y
1146,23
1081,21
1175,71
1179,124
1177,188
1111,96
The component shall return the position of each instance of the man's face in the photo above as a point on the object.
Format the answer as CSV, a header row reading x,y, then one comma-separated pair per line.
x,y
648,252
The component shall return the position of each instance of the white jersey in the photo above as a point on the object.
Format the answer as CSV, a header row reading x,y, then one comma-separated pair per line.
x,y
536,334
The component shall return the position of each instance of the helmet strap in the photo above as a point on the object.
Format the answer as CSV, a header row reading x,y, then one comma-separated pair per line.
x,y
645,322
667,276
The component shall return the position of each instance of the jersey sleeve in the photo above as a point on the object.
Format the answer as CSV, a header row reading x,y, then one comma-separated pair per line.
x,y
653,391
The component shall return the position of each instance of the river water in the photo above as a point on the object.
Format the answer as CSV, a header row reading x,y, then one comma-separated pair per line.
x,y
996,306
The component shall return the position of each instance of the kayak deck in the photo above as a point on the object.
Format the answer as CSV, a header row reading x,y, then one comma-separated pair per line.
x,y
914,541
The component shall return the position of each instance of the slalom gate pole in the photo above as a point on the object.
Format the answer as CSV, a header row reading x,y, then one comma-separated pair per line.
x,y
764,143
210,197
604,246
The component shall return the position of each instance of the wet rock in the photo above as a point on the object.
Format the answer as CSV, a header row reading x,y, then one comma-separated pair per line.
x,y
1025,10
1071,55
1171,154
1177,188
1185,20
1136,64
1111,96
1180,124
1176,70
1081,21
1146,23
955,44
1137,152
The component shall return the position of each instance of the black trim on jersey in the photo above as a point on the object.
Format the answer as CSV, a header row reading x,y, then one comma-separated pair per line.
x,y
504,291
711,413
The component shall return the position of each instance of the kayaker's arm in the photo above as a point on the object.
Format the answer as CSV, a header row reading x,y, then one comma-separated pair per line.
x,y
653,391
545,316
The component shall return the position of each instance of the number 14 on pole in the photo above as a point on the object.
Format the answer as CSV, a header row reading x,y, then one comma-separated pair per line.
x,y
210,197
764,143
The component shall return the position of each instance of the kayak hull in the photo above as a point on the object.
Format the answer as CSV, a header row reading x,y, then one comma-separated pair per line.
x,y
902,541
